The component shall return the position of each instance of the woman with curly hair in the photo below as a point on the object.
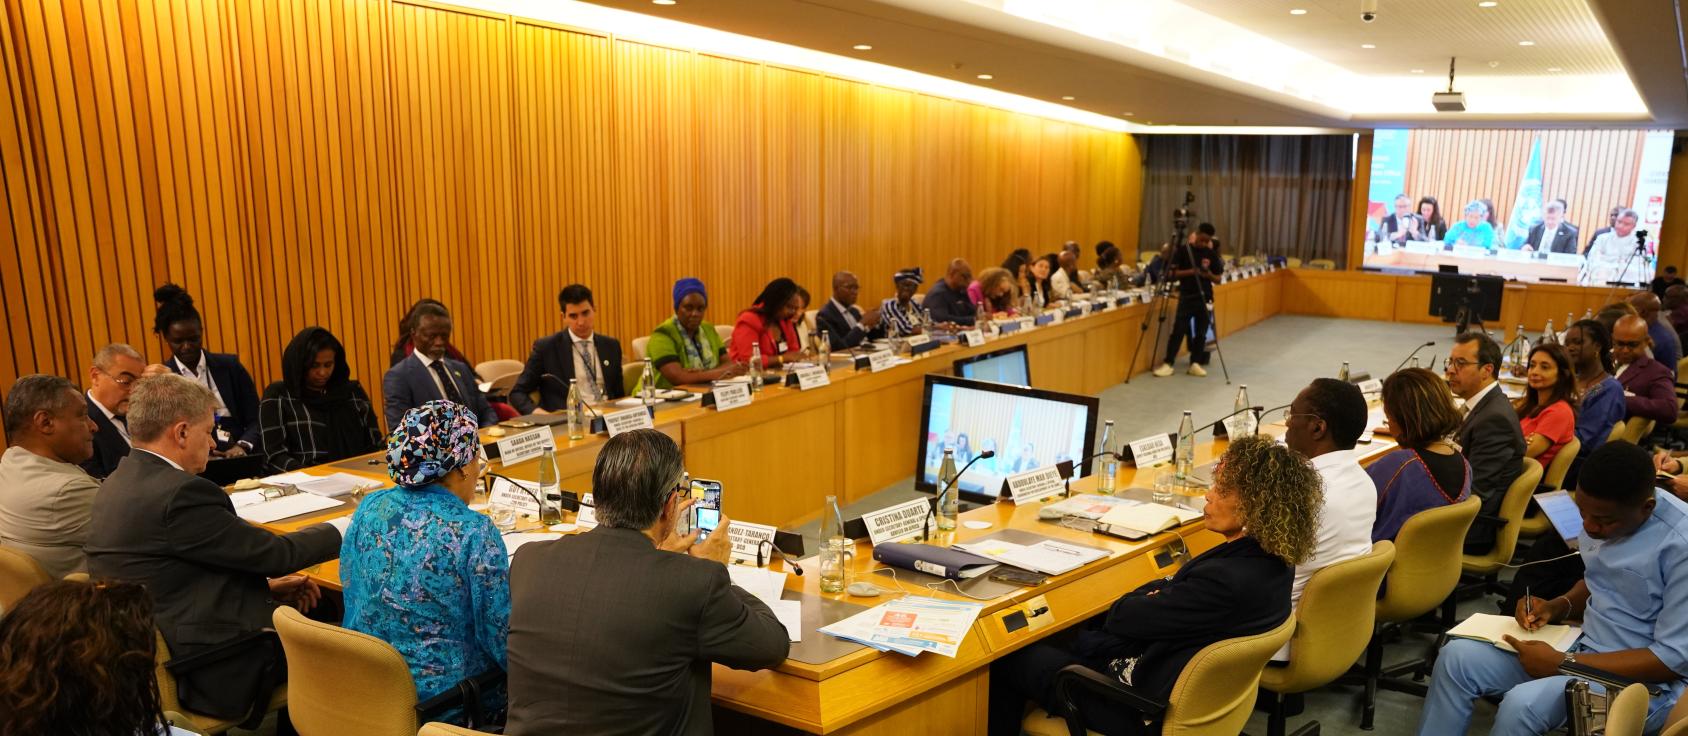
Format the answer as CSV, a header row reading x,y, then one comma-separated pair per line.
x,y
1265,502
76,659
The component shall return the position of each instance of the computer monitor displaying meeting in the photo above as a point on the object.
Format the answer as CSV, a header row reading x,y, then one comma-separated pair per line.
x,y
1567,206
1008,365
1027,428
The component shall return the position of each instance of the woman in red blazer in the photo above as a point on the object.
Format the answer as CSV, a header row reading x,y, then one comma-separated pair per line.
x,y
768,323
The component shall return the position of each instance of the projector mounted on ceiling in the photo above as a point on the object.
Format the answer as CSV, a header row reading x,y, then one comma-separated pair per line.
x,y
1449,101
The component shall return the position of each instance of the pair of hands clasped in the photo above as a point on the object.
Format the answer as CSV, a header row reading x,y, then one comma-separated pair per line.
x,y
717,547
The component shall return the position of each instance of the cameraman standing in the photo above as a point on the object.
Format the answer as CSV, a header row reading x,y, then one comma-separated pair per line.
x,y
1197,267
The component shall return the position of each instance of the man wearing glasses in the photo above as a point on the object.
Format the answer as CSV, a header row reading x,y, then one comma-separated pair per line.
x,y
1490,437
1649,386
116,368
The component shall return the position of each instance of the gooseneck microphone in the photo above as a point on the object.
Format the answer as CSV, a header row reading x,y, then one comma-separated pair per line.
x,y
1410,355
933,511
1259,412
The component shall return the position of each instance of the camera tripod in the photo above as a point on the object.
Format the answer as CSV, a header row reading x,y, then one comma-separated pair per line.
x,y
1162,301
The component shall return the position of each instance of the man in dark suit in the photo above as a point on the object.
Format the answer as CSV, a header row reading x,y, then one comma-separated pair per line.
x,y
615,630
116,369
1649,386
947,300
1402,225
213,577
846,324
1553,234
428,375
1490,437
576,353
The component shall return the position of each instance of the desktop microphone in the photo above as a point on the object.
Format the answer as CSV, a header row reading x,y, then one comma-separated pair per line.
x,y
530,494
1410,355
565,385
789,561
933,512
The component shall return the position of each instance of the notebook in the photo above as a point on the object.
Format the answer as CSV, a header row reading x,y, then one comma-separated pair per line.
x,y
1494,628
1149,518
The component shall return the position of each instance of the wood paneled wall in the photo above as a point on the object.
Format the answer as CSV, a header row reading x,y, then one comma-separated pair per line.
x,y
1590,169
328,162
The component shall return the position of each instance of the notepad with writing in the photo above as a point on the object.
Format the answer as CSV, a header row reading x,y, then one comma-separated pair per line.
x,y
1494,629
1149,518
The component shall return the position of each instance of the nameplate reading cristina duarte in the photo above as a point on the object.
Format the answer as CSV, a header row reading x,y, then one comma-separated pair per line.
x,y
1034,484
896,523
630,419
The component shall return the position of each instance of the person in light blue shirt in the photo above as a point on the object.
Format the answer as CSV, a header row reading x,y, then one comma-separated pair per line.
x,y
421,570
1630,601
1473,230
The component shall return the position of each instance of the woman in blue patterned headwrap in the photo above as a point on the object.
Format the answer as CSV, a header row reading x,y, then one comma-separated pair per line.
x,y
685,349
421,570
903,315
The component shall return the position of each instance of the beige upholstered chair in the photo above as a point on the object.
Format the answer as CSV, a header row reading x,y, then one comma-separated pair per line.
x,y
639,344
1626,714
1551,480
1323,264
630,373
1212,697
1292,262
1511,514
1637,429
169,699
344,682
1617,432
1333,626
446,729
19,574
726,333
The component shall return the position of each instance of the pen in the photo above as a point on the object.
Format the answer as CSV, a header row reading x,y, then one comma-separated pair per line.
x,y
1528,609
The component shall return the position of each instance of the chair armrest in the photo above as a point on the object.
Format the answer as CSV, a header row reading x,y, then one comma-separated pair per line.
x,y
1612,681
1075,677
466,695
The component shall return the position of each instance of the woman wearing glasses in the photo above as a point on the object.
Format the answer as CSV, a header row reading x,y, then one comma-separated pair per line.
x,y
421,570
1427,471
1599,396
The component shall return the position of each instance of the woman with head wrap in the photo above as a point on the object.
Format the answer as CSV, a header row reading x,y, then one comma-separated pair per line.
x,y
316,414
902,316
421,570
685,349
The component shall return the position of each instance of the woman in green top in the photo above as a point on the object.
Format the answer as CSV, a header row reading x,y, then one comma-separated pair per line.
x,y
685,349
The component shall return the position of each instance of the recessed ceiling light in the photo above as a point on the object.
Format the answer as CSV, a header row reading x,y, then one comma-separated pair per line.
x,y
1418,71
1554,69
862,47
1068,98
1487,4
986,76
1130,114
1526,43
663,2
1368,45
1297,11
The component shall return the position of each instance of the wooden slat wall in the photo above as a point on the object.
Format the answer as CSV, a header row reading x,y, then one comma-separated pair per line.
x,y
1590,169
330,161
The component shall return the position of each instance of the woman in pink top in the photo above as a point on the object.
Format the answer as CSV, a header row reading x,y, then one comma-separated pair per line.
x,y
768,323
1547,413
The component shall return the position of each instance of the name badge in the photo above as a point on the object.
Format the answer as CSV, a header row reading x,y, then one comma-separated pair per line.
x,y
896,523
1035,484
1152,450
630,419
747,538
973,338
915,341
812,376
881,360
731,395
519,448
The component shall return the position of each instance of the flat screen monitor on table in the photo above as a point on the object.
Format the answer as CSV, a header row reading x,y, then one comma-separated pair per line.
x,y
1027,428
1008,365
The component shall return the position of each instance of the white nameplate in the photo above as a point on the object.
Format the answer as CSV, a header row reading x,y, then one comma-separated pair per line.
x,y
587,516
880,360
1152,450
812,376
731,395
1241,425
505,493
1371,387
1060,315
1035,484
1470,251
1514,256
521,447
1564,259
917,340
747,538
1027,323
1424,247
973,338
630,419
1110,305
905,520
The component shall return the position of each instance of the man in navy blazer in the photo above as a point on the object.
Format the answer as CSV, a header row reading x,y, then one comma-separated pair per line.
x,y
1553,234
116,369
428,375
597,356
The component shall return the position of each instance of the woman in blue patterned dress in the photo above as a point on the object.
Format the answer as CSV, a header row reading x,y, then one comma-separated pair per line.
x,y
421,570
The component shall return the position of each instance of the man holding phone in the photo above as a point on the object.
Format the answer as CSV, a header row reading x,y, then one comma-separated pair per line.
x,y
616,629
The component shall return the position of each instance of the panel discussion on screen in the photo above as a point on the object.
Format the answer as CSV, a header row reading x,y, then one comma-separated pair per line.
x,y
844,367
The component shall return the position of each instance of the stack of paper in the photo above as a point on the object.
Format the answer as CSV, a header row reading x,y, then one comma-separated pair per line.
x,y
1086,506
768,586
516,540
910,625
1494,629
337,484
1049,557
287,479
285,507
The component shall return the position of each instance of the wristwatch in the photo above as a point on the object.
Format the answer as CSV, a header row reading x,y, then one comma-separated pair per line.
x,y
1569,659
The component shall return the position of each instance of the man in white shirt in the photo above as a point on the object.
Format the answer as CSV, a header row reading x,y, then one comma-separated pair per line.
x,y
45,499
1324,422
1612,257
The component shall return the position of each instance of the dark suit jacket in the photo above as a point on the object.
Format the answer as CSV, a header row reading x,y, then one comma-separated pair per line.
x,y
1564,239
838,330
554,354
178,535
1493,443
411,384
109,445
949,305
1654,388
610,635
239,394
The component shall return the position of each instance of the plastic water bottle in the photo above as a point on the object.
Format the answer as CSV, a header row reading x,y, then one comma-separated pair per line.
x,y
576,412
1342,375
1548,336
548,479
647,383
1110,460
755,368
823,350
835,552
1242,405
948,506
1186,446
981,316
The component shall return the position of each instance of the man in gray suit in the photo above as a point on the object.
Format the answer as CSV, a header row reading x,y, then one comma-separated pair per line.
x,y
613,631
214,578
1490,437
